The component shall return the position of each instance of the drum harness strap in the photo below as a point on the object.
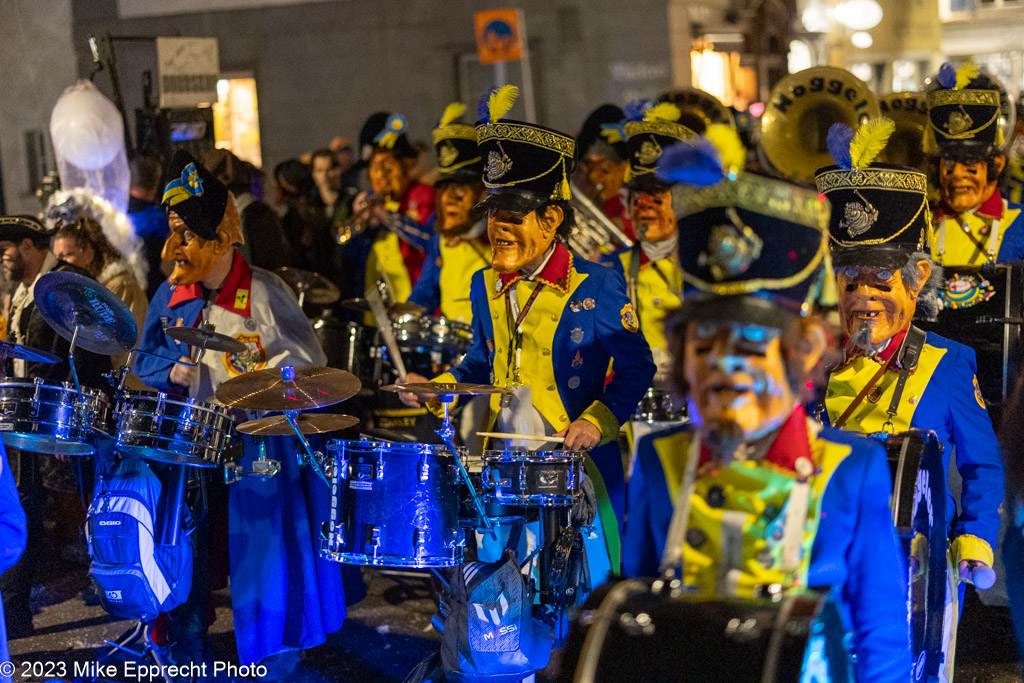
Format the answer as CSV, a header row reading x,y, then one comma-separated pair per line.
x,y
908,357
991,249
515,332
634,276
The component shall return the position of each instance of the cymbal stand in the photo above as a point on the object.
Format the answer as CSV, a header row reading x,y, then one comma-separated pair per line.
x,y
263,468
83,413
447,434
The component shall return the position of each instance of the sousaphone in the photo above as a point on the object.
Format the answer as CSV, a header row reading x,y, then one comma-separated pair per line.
x,y
909,110
800,111
698,109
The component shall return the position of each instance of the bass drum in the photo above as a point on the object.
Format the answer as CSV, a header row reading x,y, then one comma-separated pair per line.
x,y
919,515
677,636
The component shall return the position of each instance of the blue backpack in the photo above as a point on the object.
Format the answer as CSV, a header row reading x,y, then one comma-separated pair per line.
x,y
138,578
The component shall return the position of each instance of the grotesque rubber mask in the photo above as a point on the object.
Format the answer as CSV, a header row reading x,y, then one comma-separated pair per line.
x,y
966,185
518,240
737,379
877,298
652,215
192,256
388,175
455,202
604,174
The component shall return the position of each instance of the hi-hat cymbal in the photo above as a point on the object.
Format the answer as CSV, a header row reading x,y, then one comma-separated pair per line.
x,y
288,388
308,423
395,309
68,301
205,339
317,289
19,352
451,388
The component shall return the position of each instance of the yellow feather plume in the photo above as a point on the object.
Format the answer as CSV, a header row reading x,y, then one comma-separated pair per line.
x,y
729,146
452,112
870,139
501,100
965,74
666,111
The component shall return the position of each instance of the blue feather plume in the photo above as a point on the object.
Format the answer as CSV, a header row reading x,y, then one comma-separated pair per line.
x,y
838,141
947,75
636,109
691,163
483,109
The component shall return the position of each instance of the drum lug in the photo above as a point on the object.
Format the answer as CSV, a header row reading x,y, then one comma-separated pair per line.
x,y
424,468
342,468
158,414
375,539
420,538
36,397
380,469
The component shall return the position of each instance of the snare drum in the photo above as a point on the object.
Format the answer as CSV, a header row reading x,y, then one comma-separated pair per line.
x,y
172,429
658,405
44,418
533,478
393,505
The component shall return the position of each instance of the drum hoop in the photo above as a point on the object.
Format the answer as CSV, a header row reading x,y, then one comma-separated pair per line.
x,y
140,396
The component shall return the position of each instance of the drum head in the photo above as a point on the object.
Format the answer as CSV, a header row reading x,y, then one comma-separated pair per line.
x,y
46,443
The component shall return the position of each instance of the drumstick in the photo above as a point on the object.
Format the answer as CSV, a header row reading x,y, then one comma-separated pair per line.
x,y
523,437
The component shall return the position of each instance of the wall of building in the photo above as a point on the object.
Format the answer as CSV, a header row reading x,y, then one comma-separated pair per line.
x,y
36,63
322,68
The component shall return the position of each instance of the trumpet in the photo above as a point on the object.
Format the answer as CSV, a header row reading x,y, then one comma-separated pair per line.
x,y
360,219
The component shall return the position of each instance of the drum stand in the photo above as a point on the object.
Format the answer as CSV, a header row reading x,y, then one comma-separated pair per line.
x,y
140,634
447,434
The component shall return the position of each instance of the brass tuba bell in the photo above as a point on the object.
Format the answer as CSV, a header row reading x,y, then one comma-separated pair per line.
x,y
800,110
909,111
698,109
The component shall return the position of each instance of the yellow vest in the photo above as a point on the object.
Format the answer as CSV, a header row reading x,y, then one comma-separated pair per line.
x,y
458,264
870,416
962,249
385,259
656,295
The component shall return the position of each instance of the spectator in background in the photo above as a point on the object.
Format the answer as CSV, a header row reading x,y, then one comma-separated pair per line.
x,y
305,228
148,217
265,243
329,195
83,244
342,150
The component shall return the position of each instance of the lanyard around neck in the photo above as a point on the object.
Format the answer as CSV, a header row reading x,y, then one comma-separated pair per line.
x,y
515,332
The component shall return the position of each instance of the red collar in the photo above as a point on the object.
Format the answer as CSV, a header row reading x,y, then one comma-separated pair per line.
x,y
557,272
233,296
791,443
990,208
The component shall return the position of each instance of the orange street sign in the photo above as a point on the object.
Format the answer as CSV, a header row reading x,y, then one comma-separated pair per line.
x,y
498,37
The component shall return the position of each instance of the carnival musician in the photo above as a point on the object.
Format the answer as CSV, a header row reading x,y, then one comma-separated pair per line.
x,y
974,224
895,377
745,342
546,323
274,568
602,157
25,247
388,238
651,267
459,246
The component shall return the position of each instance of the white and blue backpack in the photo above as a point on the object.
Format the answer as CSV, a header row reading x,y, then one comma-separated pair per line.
x,y
137,576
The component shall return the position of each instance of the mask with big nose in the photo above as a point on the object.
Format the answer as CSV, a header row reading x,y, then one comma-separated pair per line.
x,y
877,299
518,240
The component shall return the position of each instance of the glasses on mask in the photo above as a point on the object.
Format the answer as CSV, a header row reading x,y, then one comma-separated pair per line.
x,y
860,272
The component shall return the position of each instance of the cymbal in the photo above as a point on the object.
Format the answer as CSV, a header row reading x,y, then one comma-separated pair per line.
x,y
308,423
453,388
68,300
19,352
399,308
318,289
287,388
207,339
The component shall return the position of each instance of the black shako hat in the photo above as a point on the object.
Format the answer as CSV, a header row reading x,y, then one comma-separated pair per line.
x,y
963,113
602,133
458,156
646,140
195,194
525,165
879,213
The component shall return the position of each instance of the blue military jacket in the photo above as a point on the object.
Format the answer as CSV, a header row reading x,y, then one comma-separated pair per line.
x,y
854,553
941,395
579,321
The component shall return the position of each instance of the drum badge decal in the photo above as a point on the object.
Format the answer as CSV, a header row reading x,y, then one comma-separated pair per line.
x,y
254,358
964,291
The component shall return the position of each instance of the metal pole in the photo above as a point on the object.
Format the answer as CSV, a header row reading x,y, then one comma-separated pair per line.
x,y
524,65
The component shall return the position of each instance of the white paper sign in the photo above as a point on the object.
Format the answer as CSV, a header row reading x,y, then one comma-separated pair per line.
x,y
188,71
